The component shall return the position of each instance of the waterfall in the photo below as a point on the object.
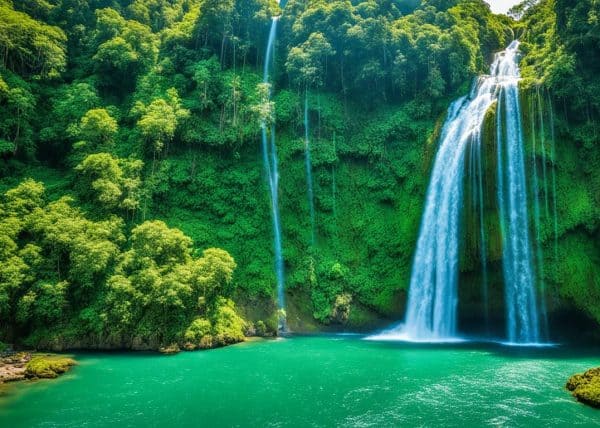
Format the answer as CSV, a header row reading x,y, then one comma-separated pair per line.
x,y
482,245
333,183
536,112
432,298
269,153
540,111
309,180
432,295
519,281
553,157
475,175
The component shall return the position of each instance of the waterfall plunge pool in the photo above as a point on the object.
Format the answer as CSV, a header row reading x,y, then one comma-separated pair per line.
x,y
337,380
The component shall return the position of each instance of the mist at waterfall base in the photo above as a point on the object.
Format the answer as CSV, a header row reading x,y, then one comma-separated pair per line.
x,y
431,314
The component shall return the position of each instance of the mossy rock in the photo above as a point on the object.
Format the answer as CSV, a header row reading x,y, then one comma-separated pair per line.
x,y
189,346
586,387
47,366
206,342
171,349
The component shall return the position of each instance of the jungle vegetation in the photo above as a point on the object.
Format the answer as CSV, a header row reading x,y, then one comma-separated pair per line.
x,y
134,211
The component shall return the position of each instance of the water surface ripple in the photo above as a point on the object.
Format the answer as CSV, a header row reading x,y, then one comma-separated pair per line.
x,y
312,381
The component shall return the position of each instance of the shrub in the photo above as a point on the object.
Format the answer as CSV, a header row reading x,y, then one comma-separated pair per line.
x,y
47,366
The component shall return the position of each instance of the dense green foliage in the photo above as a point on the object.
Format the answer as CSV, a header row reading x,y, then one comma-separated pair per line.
x,y
69,281
137,110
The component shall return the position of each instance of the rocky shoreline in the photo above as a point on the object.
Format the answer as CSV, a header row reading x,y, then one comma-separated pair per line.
x,y
19,366
13,367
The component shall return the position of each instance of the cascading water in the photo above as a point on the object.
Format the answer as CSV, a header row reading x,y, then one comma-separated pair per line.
x,y
540,112
482,237
519,281
474,218
536,112
333,184
269,152
309,180
476,208
432,298
553,157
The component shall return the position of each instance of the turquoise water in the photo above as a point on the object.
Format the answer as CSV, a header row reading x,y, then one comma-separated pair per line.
x,y
312,381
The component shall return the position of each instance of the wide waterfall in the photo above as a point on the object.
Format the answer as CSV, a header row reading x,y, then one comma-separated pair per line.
x,y
269,152
432,298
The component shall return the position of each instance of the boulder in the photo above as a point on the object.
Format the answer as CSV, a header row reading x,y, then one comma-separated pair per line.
x,y
585,387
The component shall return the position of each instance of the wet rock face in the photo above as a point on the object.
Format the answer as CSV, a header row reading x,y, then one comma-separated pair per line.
x,y
170,349
586,387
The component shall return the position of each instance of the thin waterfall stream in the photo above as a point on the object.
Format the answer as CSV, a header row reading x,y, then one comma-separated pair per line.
x,y
537,117
269,153
482,237
553,174
540,112
309,179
